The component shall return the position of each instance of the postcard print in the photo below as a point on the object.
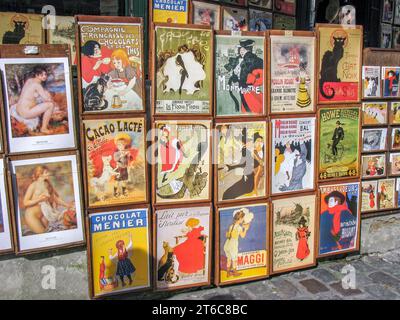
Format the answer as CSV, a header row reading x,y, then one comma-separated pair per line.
x,y
374,139
235,19
371,77
394,164
373,166
374,113
395,138
394,113
207,14
386,194
369,196
390,81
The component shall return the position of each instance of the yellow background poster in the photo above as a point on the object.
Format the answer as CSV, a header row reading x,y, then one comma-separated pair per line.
x,y
171,11
21,28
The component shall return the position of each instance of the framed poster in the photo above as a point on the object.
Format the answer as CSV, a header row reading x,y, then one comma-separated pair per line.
x,y
207,14
386,194
371,77
292,154
283,22
388,11
265,4
183,70
47,202
292,73
390,81
182,161
394,164
369,196
339,219
293,233
64,33
116,166
119,251
285,7
395,138
241,160
182,240
21,28
396,38
38,104
260,20
374,113
339,142
396,18
373,166
347,15
394,115
242,246
239,75
235,19
386,36
374,140
172,11
339,71
6,244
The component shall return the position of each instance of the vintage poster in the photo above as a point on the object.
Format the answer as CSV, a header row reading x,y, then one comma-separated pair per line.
x,y
386,194
347,15
394,164
183,72
236,2
339,147
21,28
388,11
241,160
182,247
394,117
235,19
265,4
371,78
115,161
369,196
396,38
283,22
111,66
38,103
339,64
292,167
386,36
292,74
5,228
373,166
120,251
285,6
260,20
171,11
293,233
239,75
390,81
47,202
242,238
374,139
64,33
395,139
183,161
374,113
396,18
339,218
207,14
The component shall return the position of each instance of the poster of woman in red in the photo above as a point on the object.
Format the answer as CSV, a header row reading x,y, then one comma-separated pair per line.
x,y
302,235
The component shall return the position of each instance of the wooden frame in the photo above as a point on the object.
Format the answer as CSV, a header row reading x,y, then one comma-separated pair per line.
x,y
373,183
287,9
373,117
208,5
365,157
391,164
393,194
5,204
390,132
238,9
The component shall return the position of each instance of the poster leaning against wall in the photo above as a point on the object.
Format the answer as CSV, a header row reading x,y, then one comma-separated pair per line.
x,y
172,11
64,33
6,244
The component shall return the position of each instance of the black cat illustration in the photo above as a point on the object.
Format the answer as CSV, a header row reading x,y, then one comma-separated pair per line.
x,y
329,66
94,95
15,36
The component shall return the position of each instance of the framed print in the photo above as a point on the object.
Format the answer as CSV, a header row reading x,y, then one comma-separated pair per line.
x,y
38,104
183,70
235,19
394,164
64,33
339,142
373,166
175,11
21,28
47,202
395,139
386,36
116,166
398,191
241,160
260,20
285,6
236,2
293,233
182,167
396,38
396,18
386,194
339,219
182,247
374,140
371,77
347,15
239,75
207,14
339,71
292,154
388,11
369,196
292,73
119,251
374,113
265,4
394,115
283,22
242,246
6,244
390,81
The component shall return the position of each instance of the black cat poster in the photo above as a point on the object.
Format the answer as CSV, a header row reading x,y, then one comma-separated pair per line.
x,y
339,64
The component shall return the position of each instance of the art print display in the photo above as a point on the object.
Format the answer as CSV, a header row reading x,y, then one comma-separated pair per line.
x,y
5,228
396,38
183,70
285,6
292,165
239,75
374,139
339,147
115,161
388,11
241,160
293,233
21,28
63,33
171,11
394,164
374,113
394,113
386,194
371,77
38,103
390,81
339,218
283,22
347,15
183,161
119,251
292,74
266,4
339,63
373,166
260,20
395,139
396,18
48,211
182,247
386,36
369,196
235,19
207,14
242,238
111,66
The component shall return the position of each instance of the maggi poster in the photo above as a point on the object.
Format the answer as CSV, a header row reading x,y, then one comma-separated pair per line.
x,y
170,11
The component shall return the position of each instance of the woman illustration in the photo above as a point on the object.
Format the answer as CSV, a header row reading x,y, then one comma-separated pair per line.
x,y
258,155
391,84
95,61
125,267
302,236
371,197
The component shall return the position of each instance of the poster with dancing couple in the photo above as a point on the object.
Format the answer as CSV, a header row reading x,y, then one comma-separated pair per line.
x,y
6,243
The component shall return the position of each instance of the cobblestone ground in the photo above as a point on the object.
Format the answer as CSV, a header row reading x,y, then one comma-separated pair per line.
x,y
377,277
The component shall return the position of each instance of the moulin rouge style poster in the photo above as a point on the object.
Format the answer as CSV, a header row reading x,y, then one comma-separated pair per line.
x,y
239,75
171,11
183,70
115,161
21,28
369,196
293,154
292,74
120,251
339,64
339,132
111,65
371,76
5,230
374,113
182,247
243,252
293,233
339,218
